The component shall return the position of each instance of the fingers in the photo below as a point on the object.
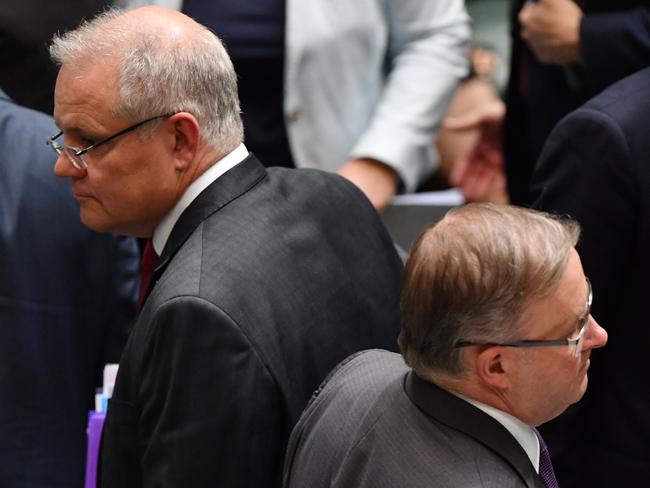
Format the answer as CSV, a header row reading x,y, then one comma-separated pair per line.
x,y
551,28
485,185
459,171
488,113
525,15
466,121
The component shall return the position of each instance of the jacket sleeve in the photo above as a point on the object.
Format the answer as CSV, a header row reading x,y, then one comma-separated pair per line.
x,y
586,172
428,56
210,413
614,45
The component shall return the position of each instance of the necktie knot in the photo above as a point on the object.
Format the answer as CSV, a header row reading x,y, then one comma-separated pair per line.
x,y
148,263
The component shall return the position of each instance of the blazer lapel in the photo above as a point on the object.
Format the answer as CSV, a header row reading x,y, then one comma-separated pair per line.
x,y
220,193
465,417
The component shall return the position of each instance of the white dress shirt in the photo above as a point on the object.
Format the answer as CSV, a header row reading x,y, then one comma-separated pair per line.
x,y
519,430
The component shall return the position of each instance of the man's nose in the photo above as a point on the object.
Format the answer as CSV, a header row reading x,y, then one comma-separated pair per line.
x,y
596,335
64,168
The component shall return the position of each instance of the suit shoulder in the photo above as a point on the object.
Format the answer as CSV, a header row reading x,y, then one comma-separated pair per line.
x,y
627,99
314,181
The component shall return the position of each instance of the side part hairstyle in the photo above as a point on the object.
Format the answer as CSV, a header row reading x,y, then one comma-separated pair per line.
x,y
470,277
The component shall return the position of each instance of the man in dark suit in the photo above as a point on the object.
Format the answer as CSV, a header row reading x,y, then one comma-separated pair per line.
x,y
595,168
497,332
569,52
563,53
67,301
266,278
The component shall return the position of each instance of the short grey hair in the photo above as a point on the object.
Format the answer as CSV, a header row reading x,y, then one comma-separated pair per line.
x,y
471,276
159,76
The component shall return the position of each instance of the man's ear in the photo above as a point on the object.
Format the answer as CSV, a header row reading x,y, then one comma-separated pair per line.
x,y
493,366
186,137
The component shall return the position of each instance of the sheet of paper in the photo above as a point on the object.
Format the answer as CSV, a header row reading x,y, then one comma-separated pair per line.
x,y
445,198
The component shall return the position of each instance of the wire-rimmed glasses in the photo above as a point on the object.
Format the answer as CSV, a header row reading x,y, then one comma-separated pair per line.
x,y
75,154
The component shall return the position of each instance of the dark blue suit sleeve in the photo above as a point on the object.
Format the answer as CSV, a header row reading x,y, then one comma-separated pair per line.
x,y
614,45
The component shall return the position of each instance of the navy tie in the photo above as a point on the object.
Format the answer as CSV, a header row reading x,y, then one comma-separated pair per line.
x,y
545,467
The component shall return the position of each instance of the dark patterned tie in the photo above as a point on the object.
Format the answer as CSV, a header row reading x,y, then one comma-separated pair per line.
x,y
147,265
545,467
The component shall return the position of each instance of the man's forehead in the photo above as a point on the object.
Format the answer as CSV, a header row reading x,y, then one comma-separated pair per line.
x,y
84,92
88,73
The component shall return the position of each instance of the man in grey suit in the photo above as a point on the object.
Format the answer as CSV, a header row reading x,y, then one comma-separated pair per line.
x,y
266,279
497,331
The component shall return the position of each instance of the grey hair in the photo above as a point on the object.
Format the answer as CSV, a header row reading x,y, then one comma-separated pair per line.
x,y
158,75
471,276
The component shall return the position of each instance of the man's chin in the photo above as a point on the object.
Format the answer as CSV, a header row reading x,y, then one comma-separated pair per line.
x,y
93,222
583,388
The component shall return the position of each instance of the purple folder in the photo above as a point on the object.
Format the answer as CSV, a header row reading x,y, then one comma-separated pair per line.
x,y
94,431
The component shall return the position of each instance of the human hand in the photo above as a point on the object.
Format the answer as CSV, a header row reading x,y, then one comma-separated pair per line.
x,y
377,180
551,28
479,173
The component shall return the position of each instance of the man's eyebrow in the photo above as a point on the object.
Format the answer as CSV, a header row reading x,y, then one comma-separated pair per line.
x,y
72,130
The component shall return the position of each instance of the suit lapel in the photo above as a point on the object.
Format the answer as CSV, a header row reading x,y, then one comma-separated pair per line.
x,y
464,417
220,193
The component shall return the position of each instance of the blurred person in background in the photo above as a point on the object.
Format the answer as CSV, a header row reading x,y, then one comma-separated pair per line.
x,y
67,303
563,53
595,168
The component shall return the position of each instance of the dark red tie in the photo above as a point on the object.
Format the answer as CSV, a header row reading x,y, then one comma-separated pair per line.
x,y
147,264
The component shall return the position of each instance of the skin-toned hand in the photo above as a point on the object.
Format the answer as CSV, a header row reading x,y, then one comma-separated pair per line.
x,y
551,28
377,180
479,174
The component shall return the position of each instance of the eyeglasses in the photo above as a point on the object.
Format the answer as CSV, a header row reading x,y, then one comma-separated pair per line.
x,y
576,342
75,154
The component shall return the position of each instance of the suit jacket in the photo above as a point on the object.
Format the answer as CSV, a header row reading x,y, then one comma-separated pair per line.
x,y
67,299
614,43
375,423
595,168
268,280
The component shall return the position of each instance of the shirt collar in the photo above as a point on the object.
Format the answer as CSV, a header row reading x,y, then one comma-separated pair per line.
x,y
522,432
163,230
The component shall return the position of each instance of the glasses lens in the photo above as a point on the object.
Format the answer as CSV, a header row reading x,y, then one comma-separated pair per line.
x,y
76,161
70,152
581,336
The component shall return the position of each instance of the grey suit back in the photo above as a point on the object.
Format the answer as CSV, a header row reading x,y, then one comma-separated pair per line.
x,y
361,429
